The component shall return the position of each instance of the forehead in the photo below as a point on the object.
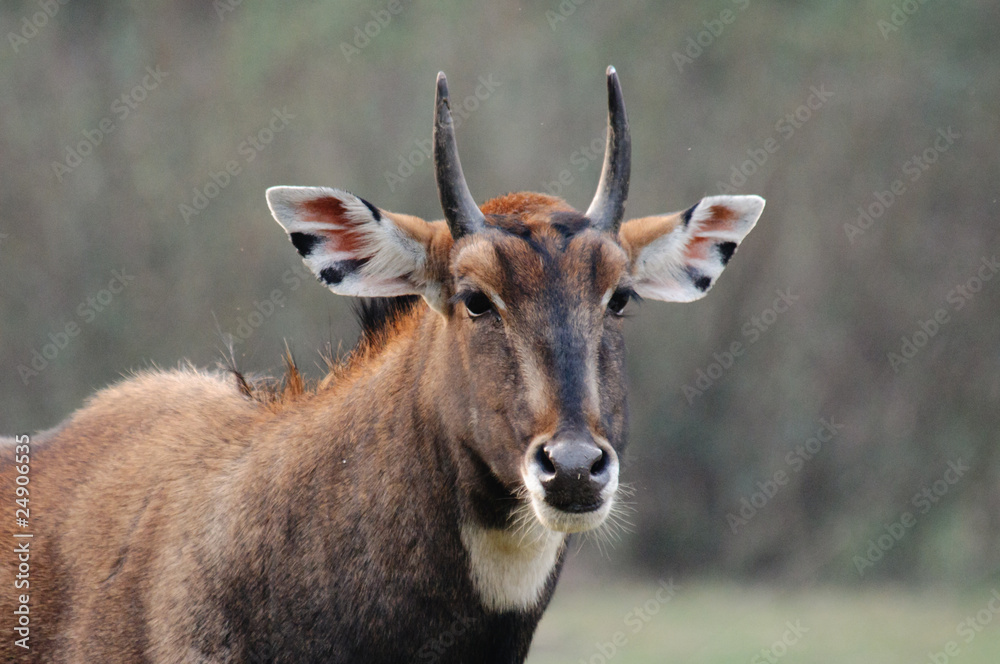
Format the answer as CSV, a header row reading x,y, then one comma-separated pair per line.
x,y
533,253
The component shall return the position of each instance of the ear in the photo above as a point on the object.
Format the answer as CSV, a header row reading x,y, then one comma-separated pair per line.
x,y
354,247
677,257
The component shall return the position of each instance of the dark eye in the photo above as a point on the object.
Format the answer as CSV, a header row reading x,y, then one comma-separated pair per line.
x,y
616,305
478,304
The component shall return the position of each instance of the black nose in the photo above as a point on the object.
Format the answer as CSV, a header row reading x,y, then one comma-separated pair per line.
x,y
573,473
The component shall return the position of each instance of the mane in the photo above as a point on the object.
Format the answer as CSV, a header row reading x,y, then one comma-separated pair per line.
x,y
379,319
378,316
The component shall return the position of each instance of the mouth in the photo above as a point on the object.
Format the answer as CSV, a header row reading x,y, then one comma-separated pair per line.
x,y
582,509
572,519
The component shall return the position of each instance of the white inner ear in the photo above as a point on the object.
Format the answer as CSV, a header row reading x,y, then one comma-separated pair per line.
x,y
665,271
395,263
659,268
395,256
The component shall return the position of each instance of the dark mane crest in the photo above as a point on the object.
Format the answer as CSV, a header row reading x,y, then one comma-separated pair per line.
x,y
569,224
378,315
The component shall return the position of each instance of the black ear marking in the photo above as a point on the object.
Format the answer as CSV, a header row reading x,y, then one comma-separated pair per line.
x,y
726,250
686,217
337,272
374,210
700,281
304,242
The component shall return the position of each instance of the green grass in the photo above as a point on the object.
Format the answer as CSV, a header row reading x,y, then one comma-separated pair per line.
x,y
724,623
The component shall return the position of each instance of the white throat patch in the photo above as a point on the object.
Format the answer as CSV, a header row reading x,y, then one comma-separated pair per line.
x,y
509,568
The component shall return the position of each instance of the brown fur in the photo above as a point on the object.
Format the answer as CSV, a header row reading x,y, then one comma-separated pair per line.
x,y
325,207
525,203
721,215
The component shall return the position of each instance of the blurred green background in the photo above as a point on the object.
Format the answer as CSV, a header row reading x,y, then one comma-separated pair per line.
x,y
865,302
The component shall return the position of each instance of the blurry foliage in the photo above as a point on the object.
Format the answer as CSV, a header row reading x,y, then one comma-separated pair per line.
x,y
354,118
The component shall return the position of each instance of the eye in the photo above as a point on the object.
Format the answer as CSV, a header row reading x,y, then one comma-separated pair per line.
x,y
477,304
618,301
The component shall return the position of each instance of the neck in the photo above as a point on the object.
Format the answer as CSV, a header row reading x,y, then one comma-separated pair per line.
x,y
410,461
513,559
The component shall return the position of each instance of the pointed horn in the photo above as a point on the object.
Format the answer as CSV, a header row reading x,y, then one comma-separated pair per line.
x,y
608,207
460,209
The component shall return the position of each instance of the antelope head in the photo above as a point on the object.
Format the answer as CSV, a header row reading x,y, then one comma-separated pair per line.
x,y
524,321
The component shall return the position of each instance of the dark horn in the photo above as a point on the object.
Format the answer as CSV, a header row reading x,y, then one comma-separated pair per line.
x,y
608,207
460,210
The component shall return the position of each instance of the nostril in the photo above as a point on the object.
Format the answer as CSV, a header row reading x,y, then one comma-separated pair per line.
x,y
600,464
542,457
